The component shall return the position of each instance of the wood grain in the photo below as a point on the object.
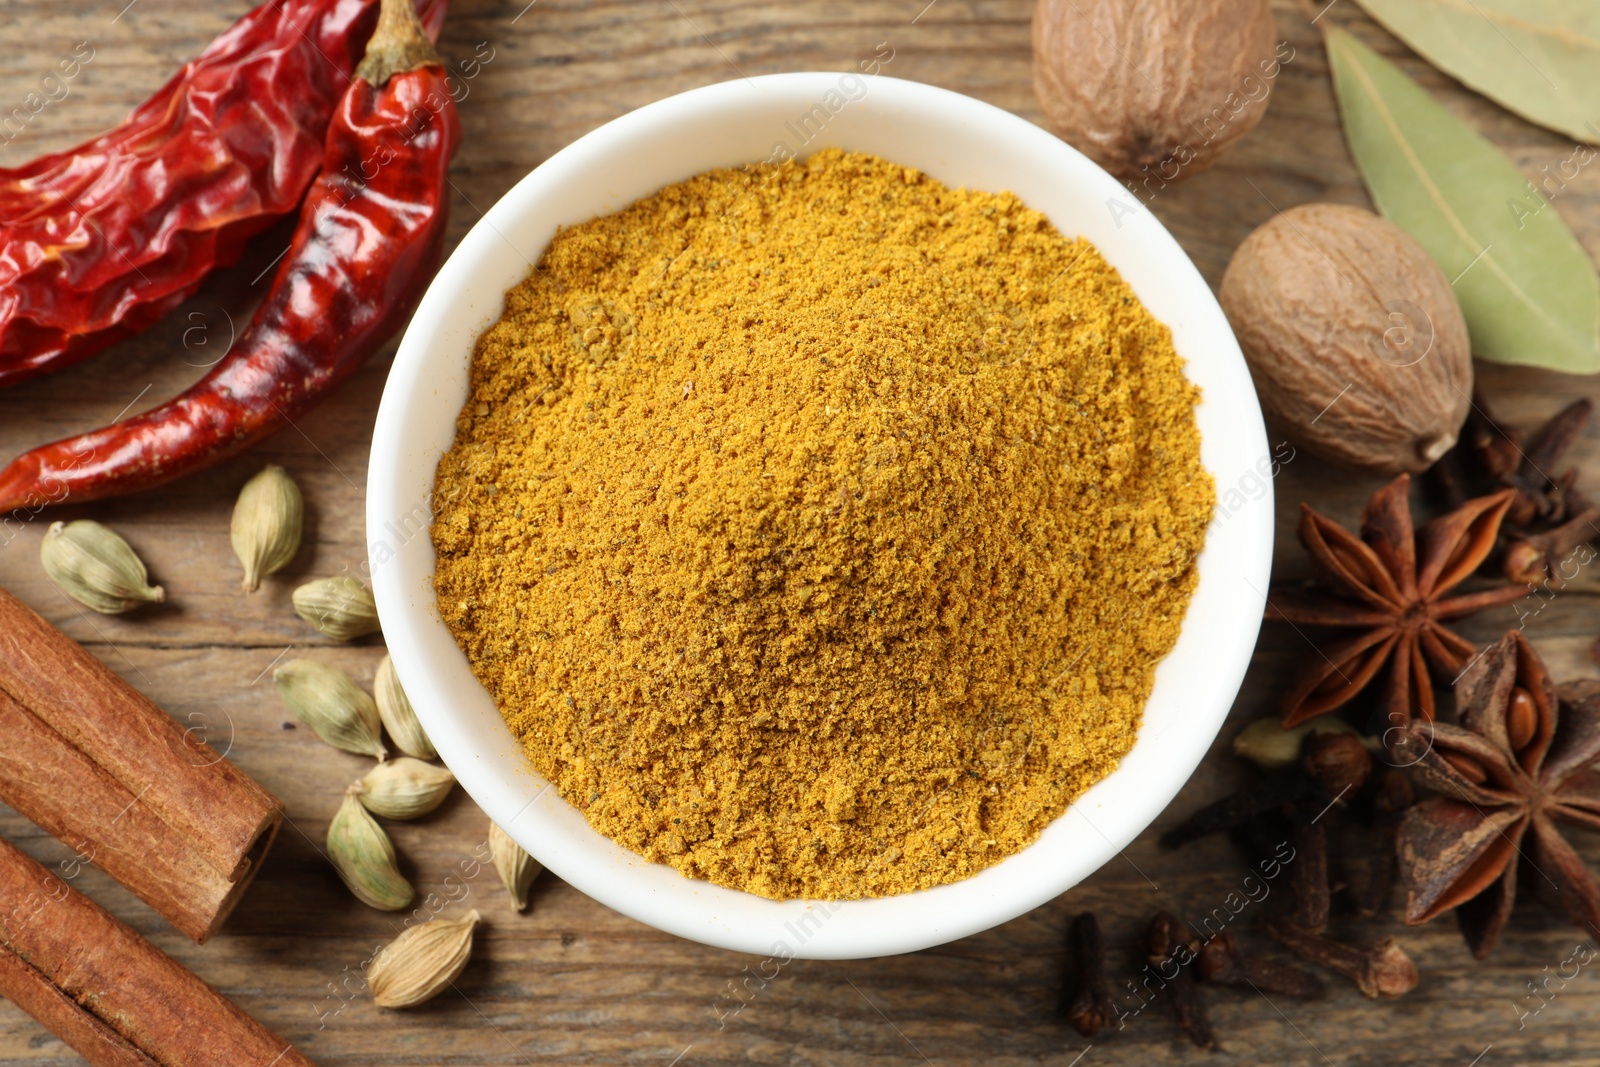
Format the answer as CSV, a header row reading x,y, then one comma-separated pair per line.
x,y
572,982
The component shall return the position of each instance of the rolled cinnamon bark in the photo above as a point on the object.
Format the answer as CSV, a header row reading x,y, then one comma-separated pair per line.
x,y
115,998
96,764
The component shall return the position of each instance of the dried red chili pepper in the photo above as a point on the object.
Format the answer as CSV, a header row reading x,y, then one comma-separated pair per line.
x,y
360,259
99,242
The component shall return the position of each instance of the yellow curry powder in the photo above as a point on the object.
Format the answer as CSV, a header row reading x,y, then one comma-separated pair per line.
x,y
817,528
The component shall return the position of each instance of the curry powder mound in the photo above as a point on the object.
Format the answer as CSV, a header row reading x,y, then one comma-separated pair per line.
x,y
817,528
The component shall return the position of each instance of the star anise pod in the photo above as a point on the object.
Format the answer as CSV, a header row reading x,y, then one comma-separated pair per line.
x,y
1515,768
1390,585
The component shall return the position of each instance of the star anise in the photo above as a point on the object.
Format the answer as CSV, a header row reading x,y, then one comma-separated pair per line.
x,y
1516,766
1390,584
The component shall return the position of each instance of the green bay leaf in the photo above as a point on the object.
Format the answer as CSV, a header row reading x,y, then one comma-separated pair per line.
x,y
1537,58
1528,289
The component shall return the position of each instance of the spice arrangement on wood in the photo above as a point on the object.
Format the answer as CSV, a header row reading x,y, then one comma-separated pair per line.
x,y
818,527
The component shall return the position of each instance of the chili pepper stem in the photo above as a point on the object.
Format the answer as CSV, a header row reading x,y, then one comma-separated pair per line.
x,y
398,44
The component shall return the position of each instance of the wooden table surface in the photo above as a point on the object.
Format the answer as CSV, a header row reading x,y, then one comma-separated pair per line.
x,y
571,981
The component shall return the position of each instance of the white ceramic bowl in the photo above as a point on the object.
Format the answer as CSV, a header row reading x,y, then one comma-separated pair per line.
x,y
961,142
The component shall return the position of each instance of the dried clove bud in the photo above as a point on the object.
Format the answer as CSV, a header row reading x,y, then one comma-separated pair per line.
x,y
1089,1007
1262,797
1380,969
1339,763
1308,876
1392,798
1493,454
1333,765
1171,947
1535,557
1223,962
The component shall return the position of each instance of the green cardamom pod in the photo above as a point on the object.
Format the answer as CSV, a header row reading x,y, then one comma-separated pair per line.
x,y
364,857
267,524
517,869
97,568
394,708
330,702
422,962
404,788
340,607
1270,746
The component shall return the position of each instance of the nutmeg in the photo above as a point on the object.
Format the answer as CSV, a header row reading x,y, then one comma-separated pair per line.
x,y
1154,90
1353,335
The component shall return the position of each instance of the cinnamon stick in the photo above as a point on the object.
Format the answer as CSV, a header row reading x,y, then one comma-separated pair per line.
x,y
115,998
96,764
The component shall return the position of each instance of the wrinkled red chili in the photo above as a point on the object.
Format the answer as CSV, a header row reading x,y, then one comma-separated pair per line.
x,y
369,238
99,242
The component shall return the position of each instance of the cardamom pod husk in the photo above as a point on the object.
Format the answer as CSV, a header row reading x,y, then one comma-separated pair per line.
x,y
422,962
340,607
266,524
404,788
1270,746
97,568
517,869
399,718
364,857
330,702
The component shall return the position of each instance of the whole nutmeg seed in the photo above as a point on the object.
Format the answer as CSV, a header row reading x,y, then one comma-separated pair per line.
x,y
1353,335
1154,90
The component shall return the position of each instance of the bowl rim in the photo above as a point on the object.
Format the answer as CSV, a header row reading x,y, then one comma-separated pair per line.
x,y
531,810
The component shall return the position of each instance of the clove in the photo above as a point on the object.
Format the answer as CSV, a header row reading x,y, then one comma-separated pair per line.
x,y
1339,763
1389,802
1308,876
1493,454
1540,497
1533,558
1332,767
1171,947
1223,962
1089,1008
1379,969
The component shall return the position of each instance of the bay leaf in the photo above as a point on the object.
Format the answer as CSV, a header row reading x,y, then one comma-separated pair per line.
x,y
1536,58
1528,289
